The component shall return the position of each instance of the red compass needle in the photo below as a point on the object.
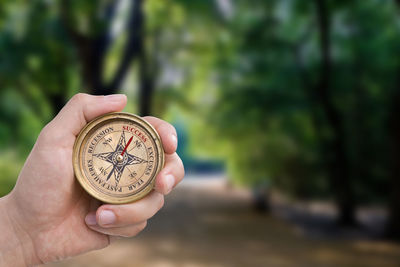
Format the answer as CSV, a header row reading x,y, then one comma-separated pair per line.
x,y
127,144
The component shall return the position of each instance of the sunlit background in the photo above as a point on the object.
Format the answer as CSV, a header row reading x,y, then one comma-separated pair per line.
x,y
287,114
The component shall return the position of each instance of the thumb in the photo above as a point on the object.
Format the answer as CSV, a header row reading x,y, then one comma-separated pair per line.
x,y
79,110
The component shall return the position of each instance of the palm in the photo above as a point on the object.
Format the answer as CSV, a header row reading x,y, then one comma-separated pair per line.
x,y
59,211
47,208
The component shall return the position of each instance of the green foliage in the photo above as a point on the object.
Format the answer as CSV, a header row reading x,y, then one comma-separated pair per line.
x,y
10,165
239,78
257,110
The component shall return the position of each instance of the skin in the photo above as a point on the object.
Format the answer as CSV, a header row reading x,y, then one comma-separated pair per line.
x,y
49,217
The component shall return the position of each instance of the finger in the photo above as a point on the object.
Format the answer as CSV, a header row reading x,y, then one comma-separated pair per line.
x,y
127,231
82,108
108,216
167,133
172,173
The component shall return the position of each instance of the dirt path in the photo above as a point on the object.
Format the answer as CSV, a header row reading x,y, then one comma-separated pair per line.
x,y
204,223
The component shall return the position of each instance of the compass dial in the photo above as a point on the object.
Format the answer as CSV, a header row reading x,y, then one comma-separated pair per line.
x,y
117,157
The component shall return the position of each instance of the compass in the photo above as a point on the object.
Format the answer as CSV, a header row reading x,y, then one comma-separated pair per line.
x,y
117,156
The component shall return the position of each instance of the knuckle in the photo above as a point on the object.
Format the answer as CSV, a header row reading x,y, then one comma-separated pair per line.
x,y
168,128
127,215
46,136
180,162
142,225
181,167
161,202
130,232
79,97
174,130
45,132
126,234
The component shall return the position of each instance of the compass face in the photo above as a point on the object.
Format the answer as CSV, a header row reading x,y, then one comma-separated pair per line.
x,y
117,157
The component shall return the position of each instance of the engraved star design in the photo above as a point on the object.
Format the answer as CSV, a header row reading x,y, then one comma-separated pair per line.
x,y
118,167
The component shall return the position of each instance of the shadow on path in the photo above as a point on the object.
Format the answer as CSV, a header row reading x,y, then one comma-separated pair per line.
x,y
206,223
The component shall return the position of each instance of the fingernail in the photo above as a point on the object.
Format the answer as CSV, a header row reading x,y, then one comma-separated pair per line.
x,y
90,219
115,97
169,183
107,217
174,140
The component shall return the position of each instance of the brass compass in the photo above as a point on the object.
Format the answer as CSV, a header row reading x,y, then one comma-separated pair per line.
x,y
117,157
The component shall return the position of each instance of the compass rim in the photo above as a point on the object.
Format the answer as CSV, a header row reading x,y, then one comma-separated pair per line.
x,y
78,150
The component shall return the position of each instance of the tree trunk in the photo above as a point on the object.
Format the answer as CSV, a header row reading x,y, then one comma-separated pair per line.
x,y
148,71
146,86
393,226
338,164
92,50
133,45
392,230
92,67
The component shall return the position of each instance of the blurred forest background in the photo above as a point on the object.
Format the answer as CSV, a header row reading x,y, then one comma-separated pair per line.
x,y
290,96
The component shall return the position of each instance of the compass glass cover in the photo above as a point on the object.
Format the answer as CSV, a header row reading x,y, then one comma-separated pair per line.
x,y
118,157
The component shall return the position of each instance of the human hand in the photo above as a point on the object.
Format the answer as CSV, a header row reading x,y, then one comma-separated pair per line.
x,y
49,217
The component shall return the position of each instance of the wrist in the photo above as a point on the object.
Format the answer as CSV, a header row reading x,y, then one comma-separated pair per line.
x,y
16,246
